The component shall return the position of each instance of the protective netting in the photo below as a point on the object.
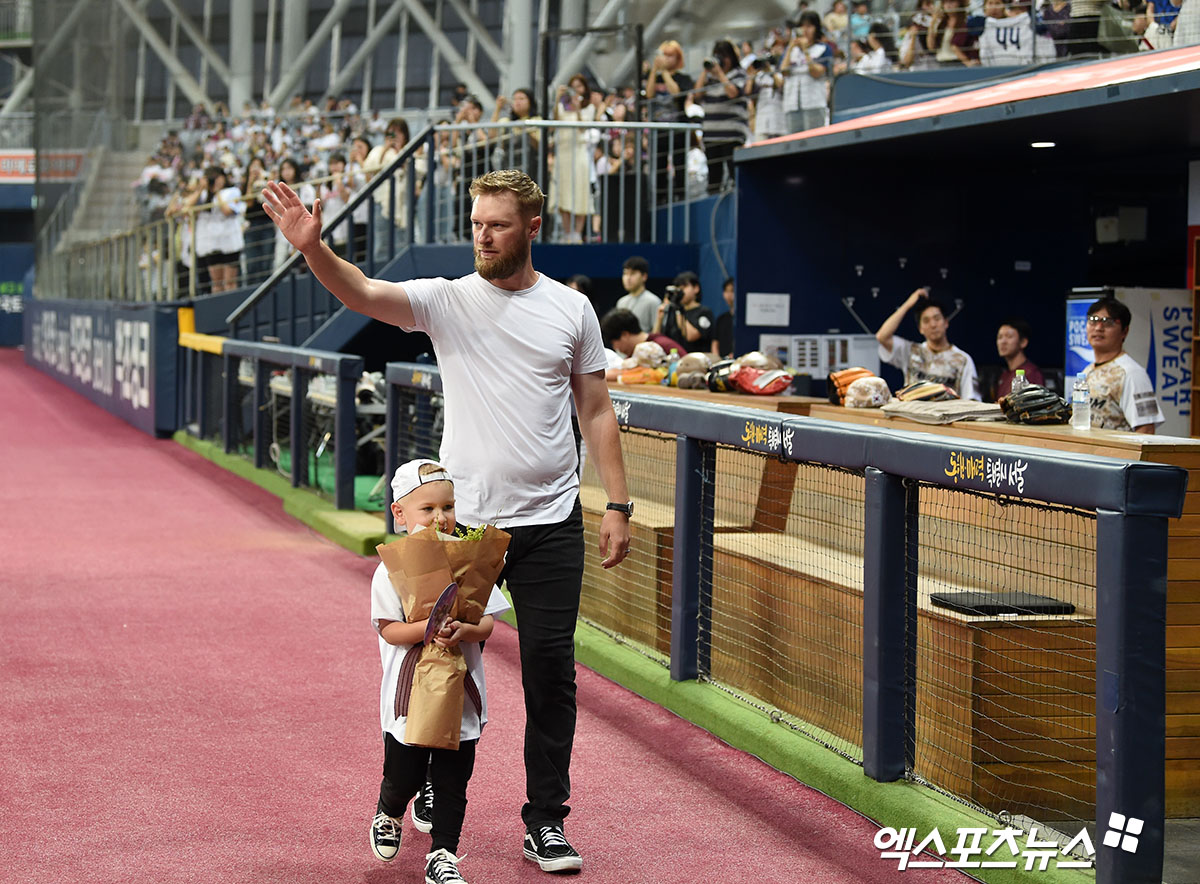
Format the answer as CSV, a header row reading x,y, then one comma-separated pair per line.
x,y
420,424
634,600
80,62
786,607
1002,704
314,440
202,396
1005,704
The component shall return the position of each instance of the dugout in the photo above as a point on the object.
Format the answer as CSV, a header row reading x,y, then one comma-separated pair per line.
x,y
951,193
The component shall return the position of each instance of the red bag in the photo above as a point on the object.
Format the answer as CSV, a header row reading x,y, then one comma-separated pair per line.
x,y
761,382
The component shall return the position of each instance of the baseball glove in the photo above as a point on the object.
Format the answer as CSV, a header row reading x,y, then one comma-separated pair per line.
x,y
1035,405
839,382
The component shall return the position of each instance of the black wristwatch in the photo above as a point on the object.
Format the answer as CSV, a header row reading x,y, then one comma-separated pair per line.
x,y
626,508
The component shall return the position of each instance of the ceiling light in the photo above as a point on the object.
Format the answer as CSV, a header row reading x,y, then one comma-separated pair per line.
x,y
1041,144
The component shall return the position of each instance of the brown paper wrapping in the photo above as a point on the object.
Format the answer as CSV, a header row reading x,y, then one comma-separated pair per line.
x,y
435,706
420,567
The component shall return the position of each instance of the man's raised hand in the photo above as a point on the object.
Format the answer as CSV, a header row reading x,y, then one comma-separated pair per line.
x,y
299,226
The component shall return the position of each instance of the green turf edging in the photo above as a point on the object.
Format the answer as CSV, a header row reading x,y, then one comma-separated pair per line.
x,y
357,531
898,805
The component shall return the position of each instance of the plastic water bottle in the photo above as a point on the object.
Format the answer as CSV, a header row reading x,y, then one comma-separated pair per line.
x,y
672,365
1018,383
1081,404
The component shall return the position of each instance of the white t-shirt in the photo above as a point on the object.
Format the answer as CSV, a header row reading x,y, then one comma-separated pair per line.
x,y
876,62
952,367
506,360
331,204
385,605
1122,395
216,231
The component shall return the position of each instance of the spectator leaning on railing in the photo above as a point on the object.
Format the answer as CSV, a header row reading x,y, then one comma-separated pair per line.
x,y
953,34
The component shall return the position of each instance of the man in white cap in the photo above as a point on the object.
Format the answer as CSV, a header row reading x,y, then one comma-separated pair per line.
x,y
514,348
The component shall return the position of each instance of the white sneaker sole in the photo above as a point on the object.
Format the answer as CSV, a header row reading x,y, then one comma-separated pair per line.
x,y
419,825
561,864
379,856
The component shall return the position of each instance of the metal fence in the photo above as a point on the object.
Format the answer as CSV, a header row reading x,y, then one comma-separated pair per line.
x,y
421,197
288,409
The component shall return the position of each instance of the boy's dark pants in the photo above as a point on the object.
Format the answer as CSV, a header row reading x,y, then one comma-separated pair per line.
x,y
404,769
544,576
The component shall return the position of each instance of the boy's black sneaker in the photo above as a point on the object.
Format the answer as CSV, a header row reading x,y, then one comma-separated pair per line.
x,y
441,867
548,847
421,810
385,837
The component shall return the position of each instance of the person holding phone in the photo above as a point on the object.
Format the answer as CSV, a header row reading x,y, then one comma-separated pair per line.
x,y
806,65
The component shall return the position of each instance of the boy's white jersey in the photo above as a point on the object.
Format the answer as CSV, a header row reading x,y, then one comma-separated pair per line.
x,y
1012,41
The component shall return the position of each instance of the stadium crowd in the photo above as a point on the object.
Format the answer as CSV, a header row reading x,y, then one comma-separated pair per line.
x,y
209,173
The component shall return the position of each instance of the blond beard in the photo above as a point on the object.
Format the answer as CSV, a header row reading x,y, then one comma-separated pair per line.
x,y
502,266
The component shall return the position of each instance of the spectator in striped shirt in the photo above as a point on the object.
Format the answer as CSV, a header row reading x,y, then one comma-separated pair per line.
x,y
720,91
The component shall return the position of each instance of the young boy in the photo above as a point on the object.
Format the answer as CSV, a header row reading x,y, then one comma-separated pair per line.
x,y
423,492
639,301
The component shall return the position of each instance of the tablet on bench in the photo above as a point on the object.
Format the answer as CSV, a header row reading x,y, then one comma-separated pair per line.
x,y
992,604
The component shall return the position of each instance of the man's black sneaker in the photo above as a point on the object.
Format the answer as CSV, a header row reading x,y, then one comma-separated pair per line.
x,y
421,811
441,867
549,848
385,837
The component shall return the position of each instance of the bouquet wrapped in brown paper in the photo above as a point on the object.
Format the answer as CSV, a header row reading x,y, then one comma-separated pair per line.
x,y
420,568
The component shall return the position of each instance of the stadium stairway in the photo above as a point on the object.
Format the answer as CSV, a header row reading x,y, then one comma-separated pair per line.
x,y
109,201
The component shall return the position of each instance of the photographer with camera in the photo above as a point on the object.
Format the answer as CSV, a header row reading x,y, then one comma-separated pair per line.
x,y
681,315
765,86
720,91
667,88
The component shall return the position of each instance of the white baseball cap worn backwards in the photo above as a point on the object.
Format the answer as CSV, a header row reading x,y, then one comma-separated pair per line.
x,y
408,477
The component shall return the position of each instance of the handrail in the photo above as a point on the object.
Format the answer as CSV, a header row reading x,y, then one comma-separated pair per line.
x,y
384,177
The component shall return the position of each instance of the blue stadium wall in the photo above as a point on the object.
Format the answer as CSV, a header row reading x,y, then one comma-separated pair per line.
x,y
1005,238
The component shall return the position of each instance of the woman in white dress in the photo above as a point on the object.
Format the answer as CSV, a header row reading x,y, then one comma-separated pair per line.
x,y
219,238
571,181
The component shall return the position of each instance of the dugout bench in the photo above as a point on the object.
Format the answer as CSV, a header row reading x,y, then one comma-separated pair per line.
x,y
1005,704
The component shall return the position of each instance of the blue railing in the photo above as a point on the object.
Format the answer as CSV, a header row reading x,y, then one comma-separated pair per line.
x,y
343,368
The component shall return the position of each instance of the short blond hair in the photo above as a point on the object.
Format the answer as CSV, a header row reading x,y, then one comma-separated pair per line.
x,y
529,196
